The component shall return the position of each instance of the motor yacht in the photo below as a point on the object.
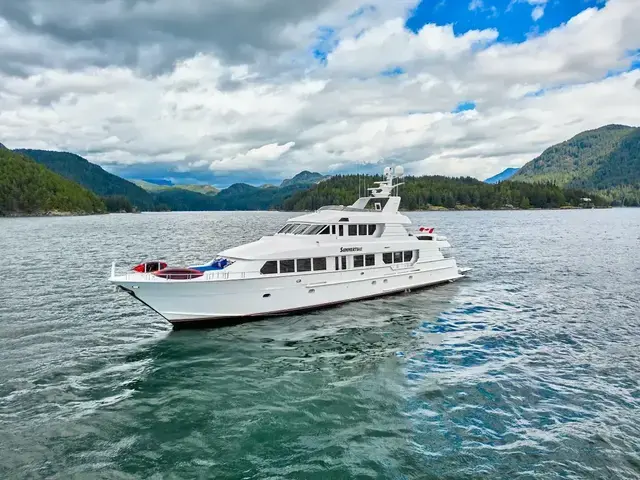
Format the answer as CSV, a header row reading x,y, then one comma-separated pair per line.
x,y
334,255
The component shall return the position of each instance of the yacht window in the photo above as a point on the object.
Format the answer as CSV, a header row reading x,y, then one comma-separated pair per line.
x,y
372,229
344,262
397,257
319,263
269,267
288,228
369,259
300,229
344,219
408,255
340,230
358,261
324,231
314,229
387,257
333,229
304,264
337,264
362,229
353,230
287,266
283,229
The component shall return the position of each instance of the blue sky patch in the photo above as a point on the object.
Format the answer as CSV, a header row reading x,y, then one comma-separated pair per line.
x,y
512,19
464,106
326,42
392,72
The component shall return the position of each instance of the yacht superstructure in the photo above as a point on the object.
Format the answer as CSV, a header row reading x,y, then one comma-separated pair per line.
x,y
334,255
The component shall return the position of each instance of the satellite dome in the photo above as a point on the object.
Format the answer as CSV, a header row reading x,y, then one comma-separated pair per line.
x,y
399,171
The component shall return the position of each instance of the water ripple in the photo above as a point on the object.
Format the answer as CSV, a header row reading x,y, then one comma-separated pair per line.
x,y
530,369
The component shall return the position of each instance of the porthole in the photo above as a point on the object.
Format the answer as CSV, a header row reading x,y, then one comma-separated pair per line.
x,y
313,290
385,281
298,280
373,283
266,295
410,277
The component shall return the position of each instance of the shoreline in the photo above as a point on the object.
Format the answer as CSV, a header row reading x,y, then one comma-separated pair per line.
x,y
56,213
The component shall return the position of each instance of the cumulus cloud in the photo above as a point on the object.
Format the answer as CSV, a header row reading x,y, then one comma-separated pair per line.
x,y
172,96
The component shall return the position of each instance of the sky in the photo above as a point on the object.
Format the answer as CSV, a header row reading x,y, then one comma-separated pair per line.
x,y
219,91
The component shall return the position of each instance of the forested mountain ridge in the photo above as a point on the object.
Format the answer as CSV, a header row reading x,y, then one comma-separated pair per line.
x,y
425,192
606,159
91,176
28,188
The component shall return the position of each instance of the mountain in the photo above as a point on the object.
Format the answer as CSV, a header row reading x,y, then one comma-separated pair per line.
x,y
178,199
91,176
506,174
2,146
427,192
303,178
154,187
27,187
596,159
158,181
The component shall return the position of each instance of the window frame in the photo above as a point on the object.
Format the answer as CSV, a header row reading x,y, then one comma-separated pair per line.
x,y
302,261
265,264
372,257
293,263
323,262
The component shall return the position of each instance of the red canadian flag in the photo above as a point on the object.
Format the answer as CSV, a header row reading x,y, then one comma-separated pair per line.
x,y
426,229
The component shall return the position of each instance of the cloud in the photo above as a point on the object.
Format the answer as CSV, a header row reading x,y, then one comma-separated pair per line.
x,y
197,107
537,13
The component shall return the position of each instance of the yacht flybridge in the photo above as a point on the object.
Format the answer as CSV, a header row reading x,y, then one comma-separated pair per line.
x,y
334,255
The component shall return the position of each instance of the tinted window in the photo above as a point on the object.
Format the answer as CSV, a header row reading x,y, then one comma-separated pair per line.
x,y
397,257
314,229
358,261
372,229
287,266
304,264
340,230
337,264
333,229
362,229
408,255
319,263
369,260
353,230
283,229
344,263
325,230
289,227
387,257
269,267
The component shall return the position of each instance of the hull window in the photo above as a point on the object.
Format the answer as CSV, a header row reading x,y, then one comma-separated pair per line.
x,y
370,260
397,257
408,255
319,263
353,230
358,261
387,257
362,229
269,268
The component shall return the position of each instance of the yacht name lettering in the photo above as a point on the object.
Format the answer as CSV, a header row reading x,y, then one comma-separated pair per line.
x,y
350,249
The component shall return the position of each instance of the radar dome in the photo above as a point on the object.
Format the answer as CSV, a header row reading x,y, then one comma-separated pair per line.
x,y
399,171
387,171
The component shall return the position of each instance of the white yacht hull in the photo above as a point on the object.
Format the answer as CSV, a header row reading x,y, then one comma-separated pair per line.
x,y
193,301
